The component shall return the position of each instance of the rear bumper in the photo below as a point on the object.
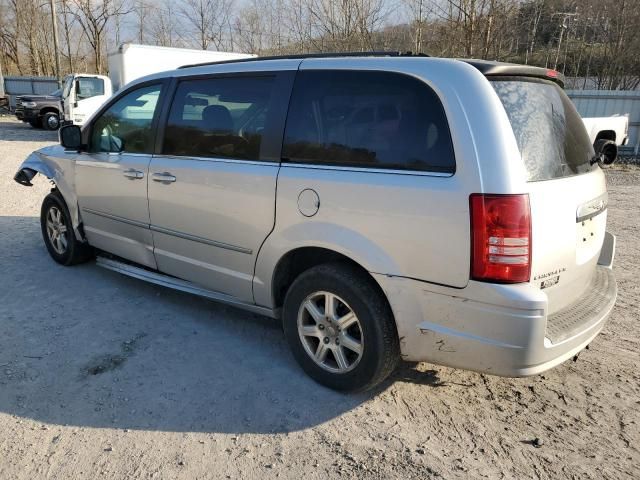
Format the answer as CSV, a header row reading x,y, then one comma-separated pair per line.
x,y
496,329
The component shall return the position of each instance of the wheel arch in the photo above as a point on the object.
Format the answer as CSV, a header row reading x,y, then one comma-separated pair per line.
x,y
606,135
61,173
327,242
298,260
49,109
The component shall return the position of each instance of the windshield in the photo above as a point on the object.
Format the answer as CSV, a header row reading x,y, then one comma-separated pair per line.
x,y
551,137
56,93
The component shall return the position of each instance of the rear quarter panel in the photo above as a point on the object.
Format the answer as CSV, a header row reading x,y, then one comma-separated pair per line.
x,y
399,224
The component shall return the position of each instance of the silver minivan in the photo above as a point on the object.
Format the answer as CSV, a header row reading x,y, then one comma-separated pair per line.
x,y
385,207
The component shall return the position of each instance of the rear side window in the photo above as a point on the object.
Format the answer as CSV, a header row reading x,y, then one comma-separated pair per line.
x,y
367,119
551,136
219,117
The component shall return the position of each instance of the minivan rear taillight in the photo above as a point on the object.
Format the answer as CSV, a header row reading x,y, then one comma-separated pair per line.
x,y
500,238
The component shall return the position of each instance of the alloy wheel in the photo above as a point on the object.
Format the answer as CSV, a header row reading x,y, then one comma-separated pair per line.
x,y
330,332
57,230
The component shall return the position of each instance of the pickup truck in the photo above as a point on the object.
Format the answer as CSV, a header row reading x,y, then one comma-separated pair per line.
x,y
615,128
608,133
40,111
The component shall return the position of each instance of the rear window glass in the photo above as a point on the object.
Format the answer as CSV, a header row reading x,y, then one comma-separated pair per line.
x,y
551,137
375,120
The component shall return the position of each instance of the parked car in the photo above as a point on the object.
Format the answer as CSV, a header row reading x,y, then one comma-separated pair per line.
x,y
384,207
84,93
40,111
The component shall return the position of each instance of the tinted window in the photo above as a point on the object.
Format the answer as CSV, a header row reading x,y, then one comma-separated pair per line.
x,y
87,87
126,125
219,117
367,119
552,139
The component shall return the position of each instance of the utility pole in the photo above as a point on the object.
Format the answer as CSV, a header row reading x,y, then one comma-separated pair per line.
x,y
419,33
54,21
1,79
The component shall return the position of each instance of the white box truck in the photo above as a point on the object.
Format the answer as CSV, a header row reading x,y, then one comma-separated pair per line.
x,y
84,93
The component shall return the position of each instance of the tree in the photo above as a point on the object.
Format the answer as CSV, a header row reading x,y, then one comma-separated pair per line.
x,y
93,16
208,20
163,25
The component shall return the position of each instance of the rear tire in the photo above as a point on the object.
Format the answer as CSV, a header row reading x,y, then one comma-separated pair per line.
x,y
58,233
354,345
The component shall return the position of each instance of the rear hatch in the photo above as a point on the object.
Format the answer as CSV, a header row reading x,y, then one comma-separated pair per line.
x,y
567,194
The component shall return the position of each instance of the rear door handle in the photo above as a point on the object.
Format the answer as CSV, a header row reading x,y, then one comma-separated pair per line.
x,y
164,177
133,174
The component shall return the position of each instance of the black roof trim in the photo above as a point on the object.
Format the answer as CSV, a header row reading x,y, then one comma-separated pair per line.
x,y
311,55
500,69
486,67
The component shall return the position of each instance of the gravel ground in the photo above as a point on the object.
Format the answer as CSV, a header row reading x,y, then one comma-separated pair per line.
x,y
102,376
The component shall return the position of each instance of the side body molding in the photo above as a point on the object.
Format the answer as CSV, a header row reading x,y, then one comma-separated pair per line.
x,y
58,166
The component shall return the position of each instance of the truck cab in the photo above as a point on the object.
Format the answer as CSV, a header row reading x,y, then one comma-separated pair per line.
x,y
82,95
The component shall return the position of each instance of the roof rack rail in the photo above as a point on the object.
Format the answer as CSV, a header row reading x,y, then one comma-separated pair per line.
x,y
303,56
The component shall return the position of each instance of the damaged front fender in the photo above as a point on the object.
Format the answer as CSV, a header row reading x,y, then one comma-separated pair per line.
x,y
24,176
58,166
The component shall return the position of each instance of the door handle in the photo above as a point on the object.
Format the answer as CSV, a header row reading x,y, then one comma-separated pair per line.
x,y
133,174
164,177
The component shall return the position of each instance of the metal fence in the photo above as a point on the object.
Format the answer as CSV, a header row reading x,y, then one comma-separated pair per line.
x,y
15,86
605,103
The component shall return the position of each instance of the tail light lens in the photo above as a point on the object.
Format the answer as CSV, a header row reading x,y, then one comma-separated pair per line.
x,y
500,238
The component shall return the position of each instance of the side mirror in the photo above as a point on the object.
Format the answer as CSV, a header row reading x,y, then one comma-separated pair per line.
x,y
606,150
71,137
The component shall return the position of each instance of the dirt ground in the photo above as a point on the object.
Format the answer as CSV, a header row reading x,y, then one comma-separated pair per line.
x,y
103,376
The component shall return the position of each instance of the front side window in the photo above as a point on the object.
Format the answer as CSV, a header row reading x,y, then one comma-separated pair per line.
x,y
219,117
87,87
126,125
367,119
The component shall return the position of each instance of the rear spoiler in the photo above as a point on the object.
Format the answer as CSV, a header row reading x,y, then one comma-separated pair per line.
x,y
499,69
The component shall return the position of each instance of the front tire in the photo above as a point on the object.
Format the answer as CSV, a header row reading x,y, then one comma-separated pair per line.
x,y
51,121
58,234
340,328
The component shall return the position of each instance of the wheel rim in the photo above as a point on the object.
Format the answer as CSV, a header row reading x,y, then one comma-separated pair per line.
x,y
52,122
57,230
330,332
